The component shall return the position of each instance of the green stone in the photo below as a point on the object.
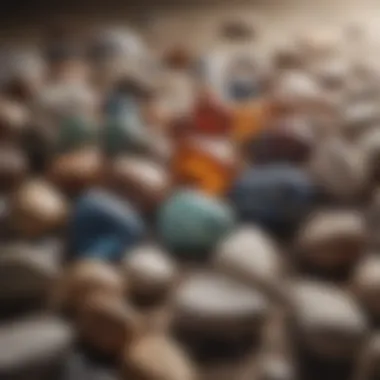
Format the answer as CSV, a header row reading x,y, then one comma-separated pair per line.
x,y
74,133
124,133
192,223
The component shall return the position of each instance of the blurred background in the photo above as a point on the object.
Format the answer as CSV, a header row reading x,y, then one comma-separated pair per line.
x,y
157,19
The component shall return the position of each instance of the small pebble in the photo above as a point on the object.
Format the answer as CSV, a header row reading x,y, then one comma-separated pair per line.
x,y
151,274
38,209
207,221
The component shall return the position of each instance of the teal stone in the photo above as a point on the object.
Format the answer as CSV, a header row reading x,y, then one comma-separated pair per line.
x,y
74,133
125,132
191,223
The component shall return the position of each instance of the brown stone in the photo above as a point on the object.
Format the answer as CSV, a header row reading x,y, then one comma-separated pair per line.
x,y
140,180
77,171
333,239
85,277
106,322
150,273
13,167
156,357
37,208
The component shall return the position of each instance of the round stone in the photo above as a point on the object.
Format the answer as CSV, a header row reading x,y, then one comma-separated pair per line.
x,y
33,347
211,117
37,209
249,255
331,240
13,167
106,323
366,284
340,169
242,79
156,357
74,133
37,264
289,140
77,171
358,119
329,322
140,180
217,318
66,99
150,273
14,119
83,278
103,226
190,222
208,164
297,90
125,133
276,197
207,300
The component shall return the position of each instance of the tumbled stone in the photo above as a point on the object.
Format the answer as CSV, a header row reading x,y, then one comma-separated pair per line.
x,y
150,273
191,223
37,208
103,226
33,347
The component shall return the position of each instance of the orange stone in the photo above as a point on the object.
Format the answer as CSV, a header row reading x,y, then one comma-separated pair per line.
x,y
205,163
249,119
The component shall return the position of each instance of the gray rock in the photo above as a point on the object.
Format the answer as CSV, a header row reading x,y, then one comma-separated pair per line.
x,y
32,348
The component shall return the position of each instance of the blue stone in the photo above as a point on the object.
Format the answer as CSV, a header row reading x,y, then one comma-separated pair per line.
x,y
240,90
103,226
276,196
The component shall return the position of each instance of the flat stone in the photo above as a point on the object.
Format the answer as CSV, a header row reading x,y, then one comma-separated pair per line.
x,y
33,347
